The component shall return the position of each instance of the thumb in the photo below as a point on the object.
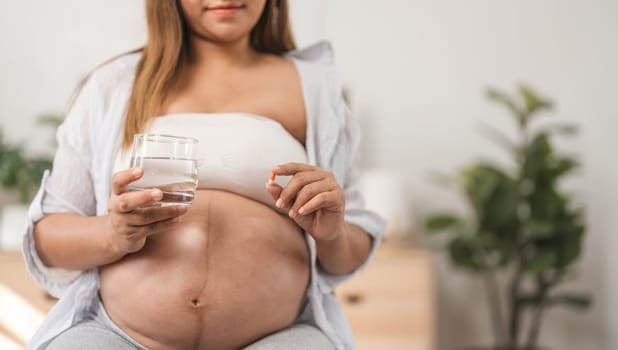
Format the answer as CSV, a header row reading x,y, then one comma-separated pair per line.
x,y
274,190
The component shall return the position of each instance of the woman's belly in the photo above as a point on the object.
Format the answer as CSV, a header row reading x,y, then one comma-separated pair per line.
x,y
231,272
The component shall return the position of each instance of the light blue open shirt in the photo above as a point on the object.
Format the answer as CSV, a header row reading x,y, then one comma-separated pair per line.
x,y
90,138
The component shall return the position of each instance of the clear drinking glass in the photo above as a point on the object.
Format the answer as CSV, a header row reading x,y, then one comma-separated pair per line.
x,y
169,164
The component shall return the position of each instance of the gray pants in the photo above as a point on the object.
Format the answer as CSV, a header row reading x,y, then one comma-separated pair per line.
x,y
101,333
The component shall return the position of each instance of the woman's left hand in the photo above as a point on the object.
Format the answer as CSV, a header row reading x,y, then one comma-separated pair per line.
x,y
313,198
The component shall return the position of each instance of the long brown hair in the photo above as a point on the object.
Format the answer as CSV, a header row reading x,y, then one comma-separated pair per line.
x,y
167,49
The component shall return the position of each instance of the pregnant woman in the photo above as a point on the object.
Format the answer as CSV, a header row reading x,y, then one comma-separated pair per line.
x,y
250,264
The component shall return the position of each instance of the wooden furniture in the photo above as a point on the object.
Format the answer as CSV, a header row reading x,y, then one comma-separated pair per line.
x,y
15,276
390,304
23,304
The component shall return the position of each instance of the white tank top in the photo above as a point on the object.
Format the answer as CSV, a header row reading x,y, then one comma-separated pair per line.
x,y
237,150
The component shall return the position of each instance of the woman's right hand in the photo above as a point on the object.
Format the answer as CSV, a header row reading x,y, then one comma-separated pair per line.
x,y
133,217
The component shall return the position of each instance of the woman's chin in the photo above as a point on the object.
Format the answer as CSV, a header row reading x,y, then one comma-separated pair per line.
x,y
226,32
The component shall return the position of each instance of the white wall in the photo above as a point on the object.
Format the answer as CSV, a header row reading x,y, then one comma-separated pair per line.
x,y
46,47
416,69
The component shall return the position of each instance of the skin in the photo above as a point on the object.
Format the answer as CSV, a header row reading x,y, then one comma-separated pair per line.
x,y
206,276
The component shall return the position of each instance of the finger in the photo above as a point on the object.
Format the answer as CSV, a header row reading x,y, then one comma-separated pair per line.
x,y
158,227
150,215
121,179
274,190
307,193
328,200
292,168
129,201
298,181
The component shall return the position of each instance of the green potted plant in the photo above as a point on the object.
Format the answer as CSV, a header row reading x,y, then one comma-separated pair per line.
x,y
19,172
22,174
524,233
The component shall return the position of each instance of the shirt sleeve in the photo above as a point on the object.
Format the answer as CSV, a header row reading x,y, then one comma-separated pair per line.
x,y
68,188
342,161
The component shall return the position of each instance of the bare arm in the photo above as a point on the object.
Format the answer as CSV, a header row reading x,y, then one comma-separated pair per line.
x,y
345,253
79,242
74,242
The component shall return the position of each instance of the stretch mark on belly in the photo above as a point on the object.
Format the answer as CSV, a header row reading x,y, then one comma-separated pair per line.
x,y
196,300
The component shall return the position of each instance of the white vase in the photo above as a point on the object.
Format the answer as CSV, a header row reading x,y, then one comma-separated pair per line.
x,y
13,225
385,193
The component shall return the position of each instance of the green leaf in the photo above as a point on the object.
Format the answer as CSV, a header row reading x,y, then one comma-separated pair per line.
x,y
505,100
563,166
537,157
568,247
480,182
20,173
542,166
442,222
494,196
541,261
533,102
11,161
574,301
546,204
539,229
465,252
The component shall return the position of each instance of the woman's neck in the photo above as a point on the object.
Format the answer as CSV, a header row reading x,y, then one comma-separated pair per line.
x,y
207,54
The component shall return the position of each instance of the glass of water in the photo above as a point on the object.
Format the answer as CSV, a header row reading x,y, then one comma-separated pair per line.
x,y
169,164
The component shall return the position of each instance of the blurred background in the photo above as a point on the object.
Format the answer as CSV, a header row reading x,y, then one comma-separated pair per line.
x,y
416,72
